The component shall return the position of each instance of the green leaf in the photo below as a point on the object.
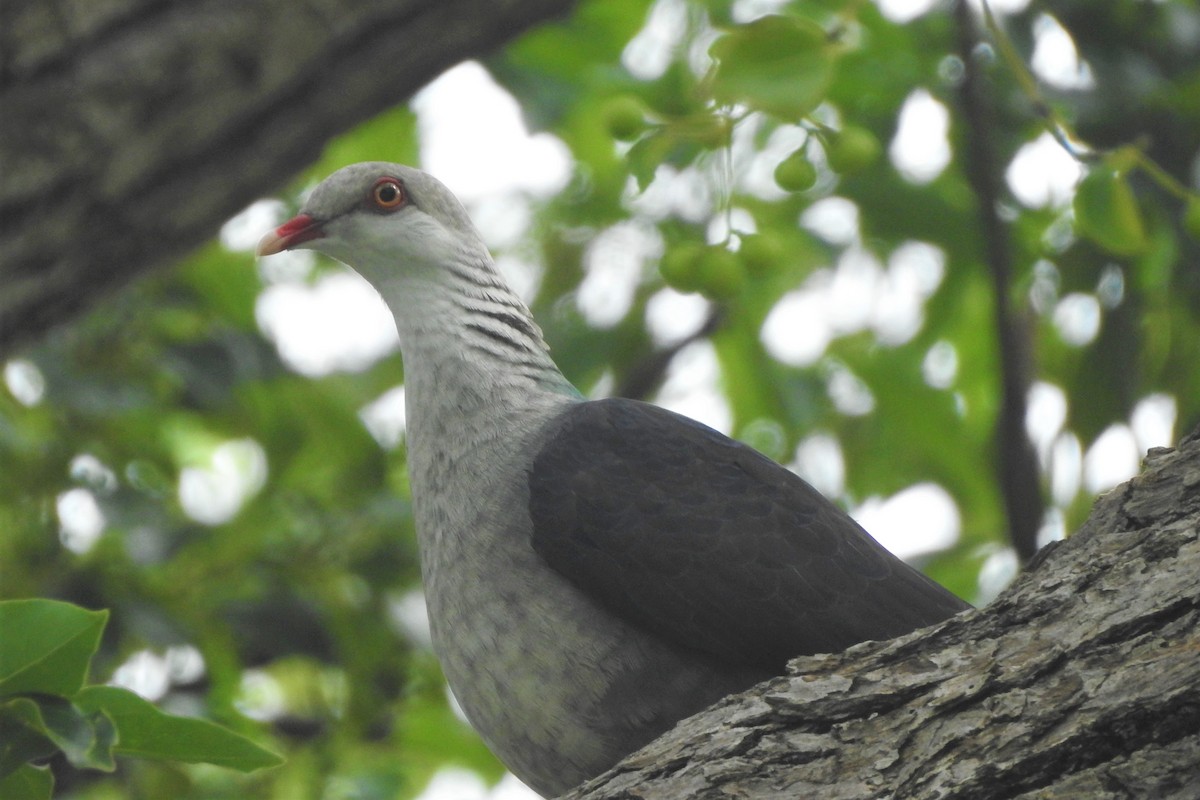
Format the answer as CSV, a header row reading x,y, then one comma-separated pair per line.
x,y
85,739
104,741
23,736
27,783
47,646
677,144
780,65
1107,212
146,732
647,154
68,728
227,282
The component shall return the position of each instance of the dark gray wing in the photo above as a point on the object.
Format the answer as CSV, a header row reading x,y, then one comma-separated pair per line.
x,y
711,545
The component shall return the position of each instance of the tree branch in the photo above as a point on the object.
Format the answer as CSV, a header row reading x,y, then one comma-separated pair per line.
x,y
131,132
1080,681
1017,464
646,376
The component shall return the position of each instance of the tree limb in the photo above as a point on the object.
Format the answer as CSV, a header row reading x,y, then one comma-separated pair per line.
x,y
1017,465
132,131
1081,680
646,376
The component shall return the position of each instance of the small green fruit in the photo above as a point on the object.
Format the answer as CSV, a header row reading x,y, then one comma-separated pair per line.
x,y
796,173
712,131
624,117
761,253
680,266
852,149
721,273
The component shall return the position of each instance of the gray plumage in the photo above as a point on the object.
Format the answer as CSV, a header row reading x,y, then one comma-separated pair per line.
x,y
594,571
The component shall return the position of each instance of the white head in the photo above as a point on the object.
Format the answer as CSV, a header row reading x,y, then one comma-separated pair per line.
x,y
381,219
412,240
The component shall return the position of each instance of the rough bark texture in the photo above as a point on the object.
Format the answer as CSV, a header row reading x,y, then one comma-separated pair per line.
x,y
131,129
1082,680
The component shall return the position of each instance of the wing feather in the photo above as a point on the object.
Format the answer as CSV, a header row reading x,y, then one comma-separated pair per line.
x,y
711,545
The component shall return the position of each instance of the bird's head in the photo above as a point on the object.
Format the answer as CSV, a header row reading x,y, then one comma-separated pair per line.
x,y
380,219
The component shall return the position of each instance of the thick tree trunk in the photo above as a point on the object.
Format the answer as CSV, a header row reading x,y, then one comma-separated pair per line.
x,y
131,129
1081,681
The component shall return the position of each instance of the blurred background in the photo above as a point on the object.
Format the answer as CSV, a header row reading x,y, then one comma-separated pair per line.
x,y
216,452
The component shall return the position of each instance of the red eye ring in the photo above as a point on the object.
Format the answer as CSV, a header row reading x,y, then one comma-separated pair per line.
x,y
388,194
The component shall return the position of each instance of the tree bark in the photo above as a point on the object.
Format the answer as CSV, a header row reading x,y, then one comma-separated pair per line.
x,y
131,129
1081,680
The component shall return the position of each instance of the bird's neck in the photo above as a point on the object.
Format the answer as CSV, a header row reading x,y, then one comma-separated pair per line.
x,y
475,363
479,388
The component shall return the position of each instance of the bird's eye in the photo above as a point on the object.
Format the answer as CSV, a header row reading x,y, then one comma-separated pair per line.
x,y
388,194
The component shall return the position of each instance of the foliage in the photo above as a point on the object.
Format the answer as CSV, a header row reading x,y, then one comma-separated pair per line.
x,y
291,597
45,708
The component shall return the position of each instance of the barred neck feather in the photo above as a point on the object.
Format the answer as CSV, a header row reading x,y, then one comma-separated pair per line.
x,y
479,383
462,329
